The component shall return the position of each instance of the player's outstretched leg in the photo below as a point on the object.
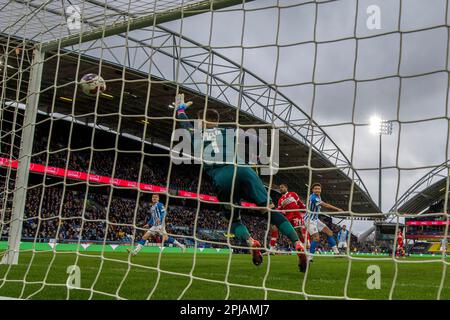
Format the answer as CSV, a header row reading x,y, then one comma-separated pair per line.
x,y
241,233
286,228
140,245
332,244
330,237
312,247
223,178
171,240
252,188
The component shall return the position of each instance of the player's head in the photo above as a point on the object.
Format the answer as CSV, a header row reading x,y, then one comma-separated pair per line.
x,y
316,188
155,198
211,117
344,227
283,188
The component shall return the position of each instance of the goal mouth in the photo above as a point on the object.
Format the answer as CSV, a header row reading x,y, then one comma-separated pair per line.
x,y
188,150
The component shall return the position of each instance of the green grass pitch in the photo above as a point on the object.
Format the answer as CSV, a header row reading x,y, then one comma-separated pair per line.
x,y
417,278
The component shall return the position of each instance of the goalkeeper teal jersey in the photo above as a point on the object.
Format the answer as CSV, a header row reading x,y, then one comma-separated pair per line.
x,y
218,144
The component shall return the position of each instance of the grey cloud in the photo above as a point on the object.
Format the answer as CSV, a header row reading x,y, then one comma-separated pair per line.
x,y
421,144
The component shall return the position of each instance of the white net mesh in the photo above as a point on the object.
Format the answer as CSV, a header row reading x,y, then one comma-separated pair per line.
x,y
77,172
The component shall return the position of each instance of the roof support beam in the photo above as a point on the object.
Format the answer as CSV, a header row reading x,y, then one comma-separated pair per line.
x,y
142,22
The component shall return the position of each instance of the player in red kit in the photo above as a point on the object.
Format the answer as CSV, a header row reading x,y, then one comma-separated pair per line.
x,y
291,206
400,244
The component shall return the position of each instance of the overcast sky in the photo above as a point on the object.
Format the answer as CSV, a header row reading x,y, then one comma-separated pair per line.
x,y
412,145
271,43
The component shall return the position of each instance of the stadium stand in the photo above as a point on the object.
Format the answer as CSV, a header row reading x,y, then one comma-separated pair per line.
x,y
43,222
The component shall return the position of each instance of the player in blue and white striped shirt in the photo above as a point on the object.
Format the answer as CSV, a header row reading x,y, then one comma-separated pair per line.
x,y
342,237
313,223
156,220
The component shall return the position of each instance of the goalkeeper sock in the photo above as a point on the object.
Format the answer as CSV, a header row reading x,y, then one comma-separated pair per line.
x,y
284,226
240,231
312,247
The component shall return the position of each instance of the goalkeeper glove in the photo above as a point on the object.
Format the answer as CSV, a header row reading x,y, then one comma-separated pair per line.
x,y
180,105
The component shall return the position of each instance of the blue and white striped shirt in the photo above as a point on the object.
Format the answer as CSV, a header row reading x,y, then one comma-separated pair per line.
x,y
313,208
157,214
342,235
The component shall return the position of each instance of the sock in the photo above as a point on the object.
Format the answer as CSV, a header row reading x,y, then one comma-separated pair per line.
x,y
332,243
173,241
140,245
240,231
138,248
178,244
273,238
312,247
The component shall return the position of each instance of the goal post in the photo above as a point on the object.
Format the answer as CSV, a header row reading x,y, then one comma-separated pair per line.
x,y
11,255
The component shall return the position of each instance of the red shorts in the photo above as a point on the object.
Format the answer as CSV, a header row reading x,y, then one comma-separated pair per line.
x,y
295,218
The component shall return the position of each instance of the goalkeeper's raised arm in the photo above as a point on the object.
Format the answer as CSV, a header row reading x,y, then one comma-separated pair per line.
x,y
180,107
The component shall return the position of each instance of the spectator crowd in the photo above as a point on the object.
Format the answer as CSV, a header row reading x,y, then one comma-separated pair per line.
x,y
69,214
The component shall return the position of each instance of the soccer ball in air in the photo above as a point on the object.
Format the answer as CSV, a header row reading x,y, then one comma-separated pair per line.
x,y
92,83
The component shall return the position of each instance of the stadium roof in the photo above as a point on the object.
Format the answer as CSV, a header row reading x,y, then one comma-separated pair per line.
x,y
428,190
202,73
47,20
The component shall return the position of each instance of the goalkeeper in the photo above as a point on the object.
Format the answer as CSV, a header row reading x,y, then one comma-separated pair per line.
x,y
247,184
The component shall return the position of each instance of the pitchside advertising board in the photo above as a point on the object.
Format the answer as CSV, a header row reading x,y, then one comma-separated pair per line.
x,y
52,245
427,223
426,230
77,175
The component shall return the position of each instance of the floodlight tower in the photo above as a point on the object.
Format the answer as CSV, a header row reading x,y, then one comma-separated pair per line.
x,y
380,127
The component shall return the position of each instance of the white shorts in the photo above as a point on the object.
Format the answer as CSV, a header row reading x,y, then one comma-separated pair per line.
x,y
158,230
342,244
314,226
443,248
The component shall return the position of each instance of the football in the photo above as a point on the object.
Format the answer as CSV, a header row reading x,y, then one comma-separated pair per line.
x,y
92,83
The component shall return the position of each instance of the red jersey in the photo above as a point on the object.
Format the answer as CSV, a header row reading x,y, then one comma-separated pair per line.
x,y
400,239
291,201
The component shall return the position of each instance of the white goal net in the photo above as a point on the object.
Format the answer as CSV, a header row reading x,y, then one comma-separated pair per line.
x,y
111,187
